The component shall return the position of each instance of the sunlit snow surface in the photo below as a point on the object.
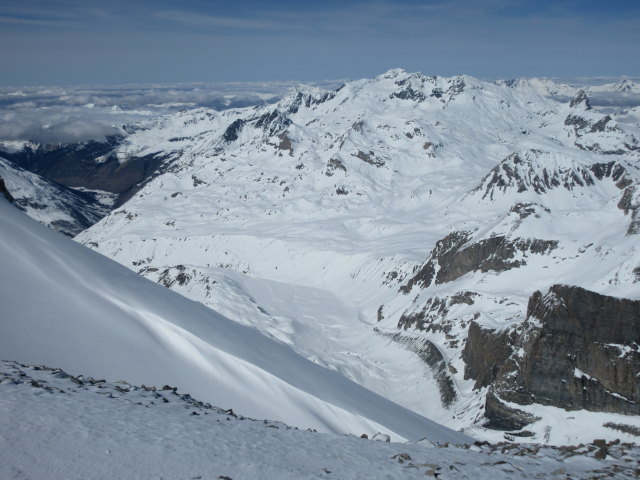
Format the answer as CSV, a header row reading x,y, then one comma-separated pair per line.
x,y
56,426
65,305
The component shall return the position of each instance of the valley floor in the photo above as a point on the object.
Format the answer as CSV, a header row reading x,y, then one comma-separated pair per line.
x,y
53,425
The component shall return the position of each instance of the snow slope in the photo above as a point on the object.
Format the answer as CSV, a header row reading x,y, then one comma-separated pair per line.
x,y
64,209
334,200
64,305
56,426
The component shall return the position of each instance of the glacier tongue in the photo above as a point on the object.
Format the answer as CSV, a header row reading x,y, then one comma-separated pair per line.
x,y
68,306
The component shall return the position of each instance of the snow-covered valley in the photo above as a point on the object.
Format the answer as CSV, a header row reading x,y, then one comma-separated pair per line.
x,y
67,306
64,209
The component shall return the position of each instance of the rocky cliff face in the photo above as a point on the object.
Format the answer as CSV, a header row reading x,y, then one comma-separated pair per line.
x,y
485,352
452,257
630,204
5,193
576,350
92,165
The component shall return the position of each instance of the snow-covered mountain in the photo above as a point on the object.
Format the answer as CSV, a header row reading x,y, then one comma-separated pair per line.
x,y
65,305
64,209
376,227
87,165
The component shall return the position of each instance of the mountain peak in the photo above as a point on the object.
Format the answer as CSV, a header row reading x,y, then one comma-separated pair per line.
x,y
393,73
581,100
624,85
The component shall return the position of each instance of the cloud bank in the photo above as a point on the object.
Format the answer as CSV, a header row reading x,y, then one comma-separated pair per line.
x,y
72,114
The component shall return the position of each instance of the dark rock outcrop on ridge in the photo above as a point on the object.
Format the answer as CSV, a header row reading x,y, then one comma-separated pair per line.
x,y
456,258
577,350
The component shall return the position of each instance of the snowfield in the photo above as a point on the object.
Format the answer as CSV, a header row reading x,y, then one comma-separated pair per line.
x,y
53,425
65,305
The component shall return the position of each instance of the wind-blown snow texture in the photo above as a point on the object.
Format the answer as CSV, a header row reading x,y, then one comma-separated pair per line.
x,y
65,305
310,219
56,426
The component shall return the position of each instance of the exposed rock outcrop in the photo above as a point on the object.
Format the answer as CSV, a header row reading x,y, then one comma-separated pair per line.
x,y
485,352
537,171
580,100
273,122
630,204
334,164
5,193
429,318
231,134
502,417
307,98
451,258
524,210
580,352
409,93
432,317
576,350
369,158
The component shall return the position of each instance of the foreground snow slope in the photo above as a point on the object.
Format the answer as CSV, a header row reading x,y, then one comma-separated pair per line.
x,y
64,305
56,426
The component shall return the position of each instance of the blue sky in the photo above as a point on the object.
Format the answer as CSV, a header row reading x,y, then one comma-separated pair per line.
x,y
69,42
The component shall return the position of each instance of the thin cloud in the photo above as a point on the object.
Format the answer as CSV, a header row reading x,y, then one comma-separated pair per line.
x,y
200,20
34,22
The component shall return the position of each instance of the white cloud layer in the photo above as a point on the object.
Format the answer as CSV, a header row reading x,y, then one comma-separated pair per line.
x,y
71,114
